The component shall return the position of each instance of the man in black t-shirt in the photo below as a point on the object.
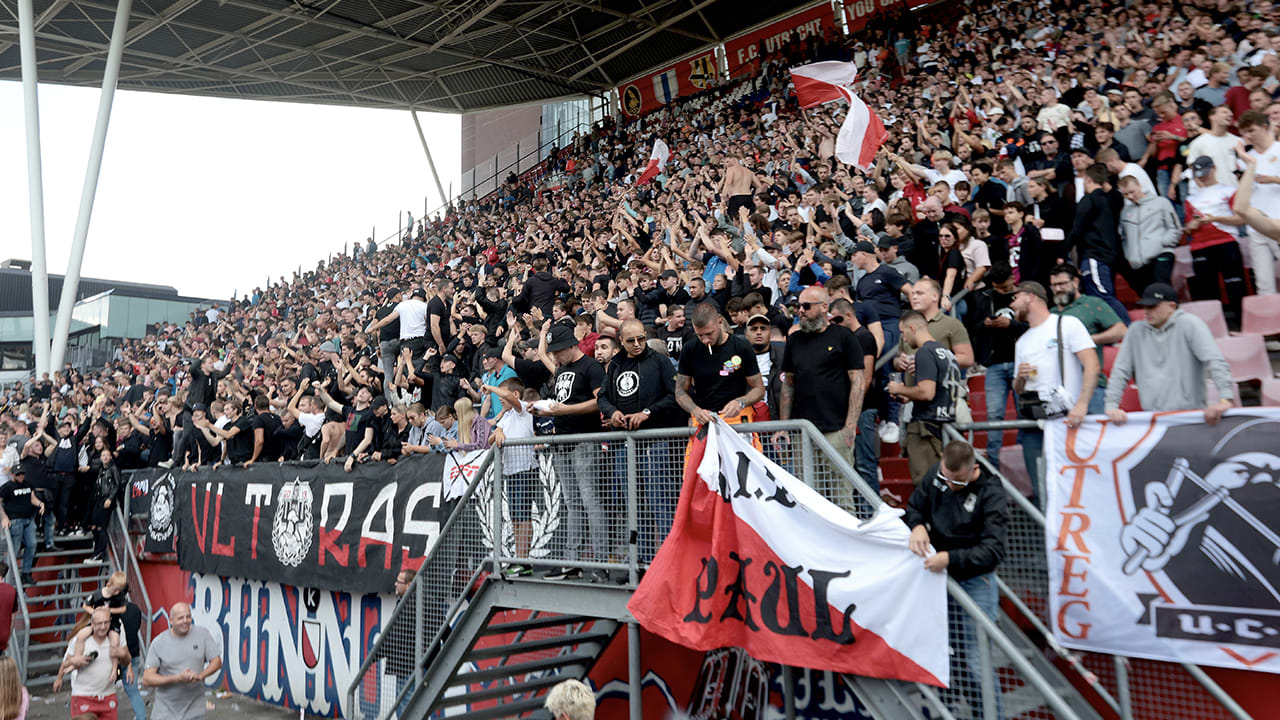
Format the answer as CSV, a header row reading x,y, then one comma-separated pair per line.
x,y
822,379
866,449
388,339
18,517
266,426
720,375
676,333
439,319
933,396
238,435
575,410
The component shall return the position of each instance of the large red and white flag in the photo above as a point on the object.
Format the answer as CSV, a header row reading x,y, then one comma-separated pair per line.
x,y
758,560
862,133
657,161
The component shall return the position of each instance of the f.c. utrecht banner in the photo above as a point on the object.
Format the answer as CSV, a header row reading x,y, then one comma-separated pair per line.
x,y
1164,537
744,51
646,94
758,560
314,526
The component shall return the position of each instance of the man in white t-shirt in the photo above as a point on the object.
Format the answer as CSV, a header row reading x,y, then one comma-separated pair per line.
x,y
91,658
412,314
942,171
519,465
1218,144
1263,198
1063,377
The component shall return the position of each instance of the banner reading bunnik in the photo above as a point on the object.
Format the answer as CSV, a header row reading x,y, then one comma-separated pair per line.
x,y
309,526
1163,537
758,560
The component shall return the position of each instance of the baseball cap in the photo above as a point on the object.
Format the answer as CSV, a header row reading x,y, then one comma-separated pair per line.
x,y
418,293
757,318
392,292
1157,293
864,246
561,337
17,470
493,353
885,241
200,407
669,273
1201,167
1033,287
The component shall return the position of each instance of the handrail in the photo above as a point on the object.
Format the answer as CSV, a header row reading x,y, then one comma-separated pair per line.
x,y
812,439
16,568
1228,703
887,354
132,558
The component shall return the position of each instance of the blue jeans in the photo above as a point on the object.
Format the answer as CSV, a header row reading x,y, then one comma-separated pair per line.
x,y
131,689
23,533
966,654
891,336
1032,442
1098,282
998,387
866,449
659,471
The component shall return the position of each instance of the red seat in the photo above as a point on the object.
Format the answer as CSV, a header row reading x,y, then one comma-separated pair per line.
x,y
1109,355
1210,311
1136,314
1130,402
1182,270
1211,394
1261,315
1247,355
1271,392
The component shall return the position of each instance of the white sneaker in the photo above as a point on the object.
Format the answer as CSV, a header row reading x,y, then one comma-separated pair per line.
x,y
889,433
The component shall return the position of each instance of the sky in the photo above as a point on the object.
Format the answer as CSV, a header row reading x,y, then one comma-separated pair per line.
x,y
213,196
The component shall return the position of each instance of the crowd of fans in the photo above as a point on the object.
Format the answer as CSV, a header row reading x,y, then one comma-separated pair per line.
x,y
1035,155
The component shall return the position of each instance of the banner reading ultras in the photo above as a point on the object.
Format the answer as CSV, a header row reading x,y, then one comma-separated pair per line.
x,y
644,95
315,526
1163,537
744,52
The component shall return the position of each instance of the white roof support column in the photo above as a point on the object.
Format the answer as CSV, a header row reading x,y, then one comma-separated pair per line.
x,y
432,163
71,284
35,187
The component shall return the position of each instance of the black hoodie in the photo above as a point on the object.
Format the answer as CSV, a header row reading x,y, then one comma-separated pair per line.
x,y
968,524
633,385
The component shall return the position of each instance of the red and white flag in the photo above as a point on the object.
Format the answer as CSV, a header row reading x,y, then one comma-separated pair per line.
x,y
862,133
758,560
657,161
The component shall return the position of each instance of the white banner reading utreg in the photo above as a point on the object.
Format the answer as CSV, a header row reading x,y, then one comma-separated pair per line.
x,y
1163,537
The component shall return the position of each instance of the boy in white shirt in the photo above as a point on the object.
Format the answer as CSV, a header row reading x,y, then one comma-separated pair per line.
x,y
519,464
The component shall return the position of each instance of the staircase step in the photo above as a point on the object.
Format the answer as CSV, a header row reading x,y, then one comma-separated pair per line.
x,y
64,552
56,645
506,711
500,691
53,597
34,667
70,566
544,621
522,668
54,613
98,578
529,646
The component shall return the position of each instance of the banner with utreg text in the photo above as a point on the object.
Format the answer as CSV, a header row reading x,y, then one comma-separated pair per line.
x,y
1163,537
310,526
744,52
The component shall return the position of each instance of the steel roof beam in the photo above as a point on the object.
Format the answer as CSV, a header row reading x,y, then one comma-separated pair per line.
x,y
641,38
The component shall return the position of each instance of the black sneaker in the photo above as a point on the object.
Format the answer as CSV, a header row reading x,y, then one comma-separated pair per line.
x,y
600,576
52,548
28,581
565,573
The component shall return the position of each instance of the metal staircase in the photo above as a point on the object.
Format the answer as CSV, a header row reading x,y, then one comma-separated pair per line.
x,y
468,639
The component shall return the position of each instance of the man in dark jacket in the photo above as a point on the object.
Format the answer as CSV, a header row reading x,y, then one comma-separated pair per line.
x,y
958,517
540,289
1096,235
638,391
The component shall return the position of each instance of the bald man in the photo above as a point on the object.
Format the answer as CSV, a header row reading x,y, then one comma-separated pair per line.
x,y
178,662
91,658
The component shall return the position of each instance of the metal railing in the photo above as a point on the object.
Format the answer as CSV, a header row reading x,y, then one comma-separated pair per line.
x,y
1118,681
23,633
600,505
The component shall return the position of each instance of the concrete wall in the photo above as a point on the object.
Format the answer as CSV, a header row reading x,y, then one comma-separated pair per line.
x,y
489,140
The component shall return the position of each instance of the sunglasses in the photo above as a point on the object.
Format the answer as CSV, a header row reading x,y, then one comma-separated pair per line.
x,y
837,319
807,305
637,339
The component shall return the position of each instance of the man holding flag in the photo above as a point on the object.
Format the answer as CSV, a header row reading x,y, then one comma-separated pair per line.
x,y
657,162
862,132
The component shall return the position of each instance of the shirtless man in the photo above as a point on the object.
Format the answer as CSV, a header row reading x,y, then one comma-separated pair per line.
x,y
737,184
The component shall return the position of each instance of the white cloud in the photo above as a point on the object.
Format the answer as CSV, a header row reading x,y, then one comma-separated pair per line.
x,y
211,195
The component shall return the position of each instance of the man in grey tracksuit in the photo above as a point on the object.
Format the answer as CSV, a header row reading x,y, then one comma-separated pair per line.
x,y
1167,355
1149,231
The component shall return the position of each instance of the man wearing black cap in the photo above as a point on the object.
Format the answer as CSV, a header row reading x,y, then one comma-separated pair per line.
x,y
759,332
1167,354
668,296
887,253
18,515
575,409
1056,367
1211,228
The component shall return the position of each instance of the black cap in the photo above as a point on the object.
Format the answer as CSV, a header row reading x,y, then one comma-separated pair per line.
x,y
864,246
200,407
669,273
1157,293
17,470
561,337
493,353
392,292
885,242
1201,167
418,293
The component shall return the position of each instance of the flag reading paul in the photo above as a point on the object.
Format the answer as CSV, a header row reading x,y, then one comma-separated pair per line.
x,y
758,560
1164,537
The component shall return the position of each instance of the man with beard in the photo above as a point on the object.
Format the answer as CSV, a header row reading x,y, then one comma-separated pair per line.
x,y
722,379
1098,318
823,379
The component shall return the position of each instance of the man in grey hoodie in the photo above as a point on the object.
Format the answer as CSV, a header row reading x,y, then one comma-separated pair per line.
x,y
1167,355
1149,231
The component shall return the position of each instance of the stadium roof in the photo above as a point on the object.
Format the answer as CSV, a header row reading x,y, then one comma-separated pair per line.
x,y
440,56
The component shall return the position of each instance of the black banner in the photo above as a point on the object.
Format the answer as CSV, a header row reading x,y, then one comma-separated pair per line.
x,y
151,493
306,526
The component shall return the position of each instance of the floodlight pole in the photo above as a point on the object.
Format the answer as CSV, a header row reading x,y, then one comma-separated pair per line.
x,y
35,187
71,283
432,163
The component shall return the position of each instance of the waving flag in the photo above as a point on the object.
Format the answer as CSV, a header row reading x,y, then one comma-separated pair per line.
x,y
758,560
862,133
657,161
